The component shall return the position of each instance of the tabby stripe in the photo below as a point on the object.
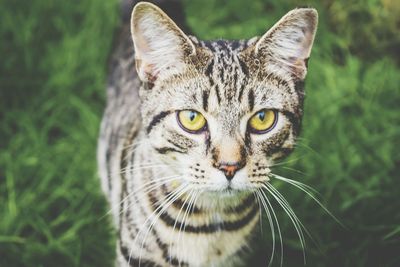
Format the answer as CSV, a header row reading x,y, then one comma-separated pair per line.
x,y
183,139
222,71
299,85
281,151
244,67
222,44
235,44
207,228
134,262
279,79
217,93
235,77
247,142
123,164
165,150
245,70
209,68
299,88
294,120
109,175
241,91
211,228
165,250
160,244
243,205
179,204
251,100
209,45
275,147
156,119
130,224
141,207
205,100
176,144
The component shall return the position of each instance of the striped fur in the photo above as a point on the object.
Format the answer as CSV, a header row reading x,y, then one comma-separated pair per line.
x,y
211,220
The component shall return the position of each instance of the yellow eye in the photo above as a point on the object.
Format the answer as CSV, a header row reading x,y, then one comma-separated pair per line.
x,y
263,121
191,121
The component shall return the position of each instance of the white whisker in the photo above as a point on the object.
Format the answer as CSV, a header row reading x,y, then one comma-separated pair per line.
x,y
265,198
305,188
292,216
176,221
170,198
271,225
183,224
147,187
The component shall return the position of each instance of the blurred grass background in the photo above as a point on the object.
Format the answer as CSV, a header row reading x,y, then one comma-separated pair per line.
x,y
52,84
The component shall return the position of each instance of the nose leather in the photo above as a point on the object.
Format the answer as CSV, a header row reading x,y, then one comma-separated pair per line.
x,y
229,169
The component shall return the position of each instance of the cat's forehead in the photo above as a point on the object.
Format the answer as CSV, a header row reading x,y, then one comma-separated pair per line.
x,y
224,47
227,76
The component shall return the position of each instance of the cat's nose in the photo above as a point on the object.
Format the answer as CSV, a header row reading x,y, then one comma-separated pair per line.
x,y
229,169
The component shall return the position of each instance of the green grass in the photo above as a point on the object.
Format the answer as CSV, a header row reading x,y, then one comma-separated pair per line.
x,y
52,79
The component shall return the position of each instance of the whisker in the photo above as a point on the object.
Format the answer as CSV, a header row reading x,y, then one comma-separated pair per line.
x,y
178,194
292,216
293,170
183,224
135,144
301,143
286,204
285,162
173,229
271,224
262,193
127,169
170,198
260,210
303,187
133,148
147,187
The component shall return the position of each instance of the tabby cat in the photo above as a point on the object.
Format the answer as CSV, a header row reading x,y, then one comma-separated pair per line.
x,y
190,132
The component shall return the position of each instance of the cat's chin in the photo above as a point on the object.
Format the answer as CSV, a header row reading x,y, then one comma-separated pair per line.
x,y
222,198
227,192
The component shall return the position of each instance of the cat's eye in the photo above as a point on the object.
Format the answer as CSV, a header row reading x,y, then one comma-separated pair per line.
x,y
263,121
191,121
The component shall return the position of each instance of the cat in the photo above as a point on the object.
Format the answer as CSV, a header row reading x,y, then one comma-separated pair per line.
x,y
190,132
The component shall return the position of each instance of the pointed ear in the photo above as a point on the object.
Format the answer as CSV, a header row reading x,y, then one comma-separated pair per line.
x,y
160,46
288,43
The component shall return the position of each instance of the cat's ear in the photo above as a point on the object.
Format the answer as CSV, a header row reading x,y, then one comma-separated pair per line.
x,y
288,43
160,46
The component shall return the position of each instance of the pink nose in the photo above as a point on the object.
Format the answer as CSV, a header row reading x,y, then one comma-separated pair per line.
x,y
229,169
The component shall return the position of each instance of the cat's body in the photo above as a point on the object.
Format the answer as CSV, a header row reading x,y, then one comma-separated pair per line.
x,y
187,197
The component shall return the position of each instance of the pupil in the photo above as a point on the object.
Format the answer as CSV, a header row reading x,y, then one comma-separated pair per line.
x,y
192,115
261,115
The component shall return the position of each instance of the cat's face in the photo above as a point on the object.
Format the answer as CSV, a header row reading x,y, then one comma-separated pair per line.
x,y
221,112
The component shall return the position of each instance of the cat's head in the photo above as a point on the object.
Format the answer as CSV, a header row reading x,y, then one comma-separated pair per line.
x,y
220,112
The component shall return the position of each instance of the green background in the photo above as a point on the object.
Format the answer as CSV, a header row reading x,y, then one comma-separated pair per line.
x,y
53,58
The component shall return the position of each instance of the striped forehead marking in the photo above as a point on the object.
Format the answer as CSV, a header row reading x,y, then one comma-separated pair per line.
x,y
226,72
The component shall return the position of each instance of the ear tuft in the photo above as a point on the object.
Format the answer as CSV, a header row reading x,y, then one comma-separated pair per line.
x,y
289,42
160,46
